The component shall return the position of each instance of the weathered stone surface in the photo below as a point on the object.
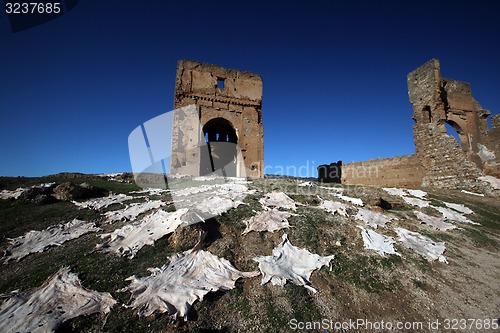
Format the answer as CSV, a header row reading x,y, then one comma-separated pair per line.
x,y
439,160
385,204
36,197
38,194
404,171
69,191
437,101
185,237
228,110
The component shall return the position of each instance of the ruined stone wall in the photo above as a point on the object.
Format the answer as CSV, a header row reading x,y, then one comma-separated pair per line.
x,y
404,171
490,151
437,101
233,95
439,159
330,173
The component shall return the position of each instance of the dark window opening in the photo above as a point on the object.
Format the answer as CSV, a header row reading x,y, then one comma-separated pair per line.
x,y
220,83
427,114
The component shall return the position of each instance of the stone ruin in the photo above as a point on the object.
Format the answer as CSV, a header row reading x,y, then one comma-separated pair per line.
x,y
330,173
227,117
228,113
439,160
437,101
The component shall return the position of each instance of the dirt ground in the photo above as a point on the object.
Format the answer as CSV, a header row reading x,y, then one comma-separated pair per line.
x,y
360,291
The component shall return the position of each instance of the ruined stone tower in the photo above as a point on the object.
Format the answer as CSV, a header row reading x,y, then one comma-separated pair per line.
x,y
228,106
437,101
439,160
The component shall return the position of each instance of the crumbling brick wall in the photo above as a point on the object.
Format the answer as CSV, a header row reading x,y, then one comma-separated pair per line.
x,y
404,171
229,98
437,101
439,159
492,142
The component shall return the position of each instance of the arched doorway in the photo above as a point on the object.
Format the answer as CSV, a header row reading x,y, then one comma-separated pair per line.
x,y
221,154
454,130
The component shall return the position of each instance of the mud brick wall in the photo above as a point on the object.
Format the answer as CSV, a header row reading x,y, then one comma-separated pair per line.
x,y
404,171
439,160
231,97
437,101
492,142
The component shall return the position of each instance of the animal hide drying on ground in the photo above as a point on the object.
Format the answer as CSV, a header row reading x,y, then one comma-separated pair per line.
x,y
290,263
60,298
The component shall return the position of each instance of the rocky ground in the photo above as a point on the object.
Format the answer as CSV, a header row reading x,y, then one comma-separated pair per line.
x,y
358,284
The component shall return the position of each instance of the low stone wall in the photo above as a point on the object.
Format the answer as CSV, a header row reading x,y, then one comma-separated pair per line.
x,y
404,171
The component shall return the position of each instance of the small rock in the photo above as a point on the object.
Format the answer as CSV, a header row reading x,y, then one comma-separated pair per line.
x,y
379,202
37,194
386,204
43,199
87,186
186,237
68,192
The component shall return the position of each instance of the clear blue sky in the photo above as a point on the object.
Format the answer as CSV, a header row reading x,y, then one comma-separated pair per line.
x,y
72,89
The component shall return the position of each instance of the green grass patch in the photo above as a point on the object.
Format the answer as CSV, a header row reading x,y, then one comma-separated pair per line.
x,y
365,272
314,229
420,284
417,260
304,308
235,217
275,318
481,238
19,217
441,236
